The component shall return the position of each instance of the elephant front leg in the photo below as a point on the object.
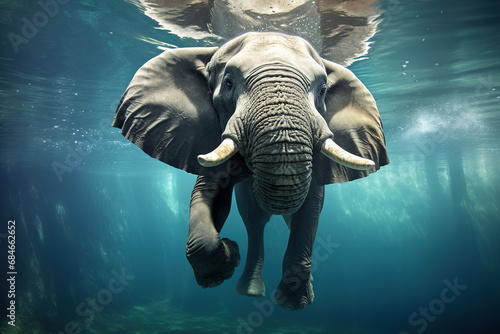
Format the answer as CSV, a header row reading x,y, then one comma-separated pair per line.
x,y
213,259
251,282
295,290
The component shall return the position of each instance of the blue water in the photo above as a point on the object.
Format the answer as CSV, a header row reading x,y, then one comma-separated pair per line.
x,y
414,247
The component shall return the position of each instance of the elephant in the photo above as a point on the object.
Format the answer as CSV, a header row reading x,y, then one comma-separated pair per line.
x,y
263,115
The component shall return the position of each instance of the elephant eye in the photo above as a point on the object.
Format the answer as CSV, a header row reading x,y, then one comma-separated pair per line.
x,y
323,89
229,84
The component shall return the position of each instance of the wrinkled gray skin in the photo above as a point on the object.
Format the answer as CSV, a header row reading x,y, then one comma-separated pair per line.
x,y
278,100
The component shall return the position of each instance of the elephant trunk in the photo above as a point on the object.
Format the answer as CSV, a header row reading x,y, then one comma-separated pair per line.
x,y
279,143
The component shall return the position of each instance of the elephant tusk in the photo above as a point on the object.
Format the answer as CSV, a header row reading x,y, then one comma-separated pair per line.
x,y
220,155
341,156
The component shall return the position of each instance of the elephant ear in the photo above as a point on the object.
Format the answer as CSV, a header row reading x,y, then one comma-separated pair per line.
x,y
167,109
353,117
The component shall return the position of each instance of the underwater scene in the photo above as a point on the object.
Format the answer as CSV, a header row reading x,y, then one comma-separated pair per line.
x,y
94,230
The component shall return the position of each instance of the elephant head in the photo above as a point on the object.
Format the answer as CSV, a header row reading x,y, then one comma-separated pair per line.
x,y
265,101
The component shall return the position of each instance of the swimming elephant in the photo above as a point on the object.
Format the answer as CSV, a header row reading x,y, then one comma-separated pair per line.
x,y
266,116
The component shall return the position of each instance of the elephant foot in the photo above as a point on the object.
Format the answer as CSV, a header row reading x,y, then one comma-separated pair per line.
x,y
212,267
251,286
293,297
